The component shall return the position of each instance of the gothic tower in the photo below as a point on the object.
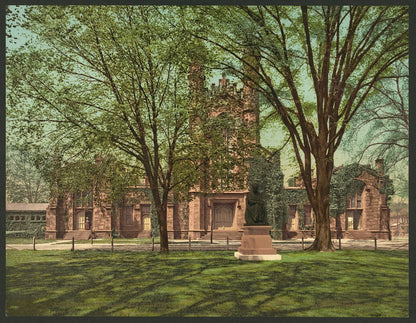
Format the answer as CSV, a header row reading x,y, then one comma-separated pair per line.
x,y
226,119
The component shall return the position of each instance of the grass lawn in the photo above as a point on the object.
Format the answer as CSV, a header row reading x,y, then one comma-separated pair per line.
x,y
210,283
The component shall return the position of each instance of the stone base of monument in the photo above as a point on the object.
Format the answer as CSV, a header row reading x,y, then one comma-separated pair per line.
x,y
256,244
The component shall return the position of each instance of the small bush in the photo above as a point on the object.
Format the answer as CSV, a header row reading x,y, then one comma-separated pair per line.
x,y
115,234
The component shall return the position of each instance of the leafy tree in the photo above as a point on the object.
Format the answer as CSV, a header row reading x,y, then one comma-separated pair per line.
x,y
24,183
384,121
114,76
225,149
316,66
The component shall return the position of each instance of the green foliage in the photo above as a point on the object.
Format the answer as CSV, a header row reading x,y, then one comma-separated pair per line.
x,y
226,147
332,56
298,197
268,176
70,55
345,184
380,129
109,174
26,228
24,183
116,77
106,78
388,187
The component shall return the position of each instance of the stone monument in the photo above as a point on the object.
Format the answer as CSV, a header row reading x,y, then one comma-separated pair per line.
x,y
256,243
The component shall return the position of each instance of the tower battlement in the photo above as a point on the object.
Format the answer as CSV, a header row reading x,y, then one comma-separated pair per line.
x,y
225,86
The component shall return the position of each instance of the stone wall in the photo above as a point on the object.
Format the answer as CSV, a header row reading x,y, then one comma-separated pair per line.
x,y
375,215
194,215
180,220
101,224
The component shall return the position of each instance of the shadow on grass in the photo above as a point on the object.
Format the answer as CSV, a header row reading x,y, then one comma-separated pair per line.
x,y
101,283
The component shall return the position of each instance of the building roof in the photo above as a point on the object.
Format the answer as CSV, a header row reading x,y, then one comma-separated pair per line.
x,y
26,206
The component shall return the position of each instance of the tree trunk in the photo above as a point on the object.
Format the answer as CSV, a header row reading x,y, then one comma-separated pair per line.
x,y
163,228
320,205
164,244
322,240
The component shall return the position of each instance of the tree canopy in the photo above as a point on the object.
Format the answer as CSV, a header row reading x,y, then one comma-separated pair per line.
x,y
114,76
24,182
316,66
380,130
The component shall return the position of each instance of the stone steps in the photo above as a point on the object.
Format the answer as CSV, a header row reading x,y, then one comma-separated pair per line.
x,y
77,235
222,235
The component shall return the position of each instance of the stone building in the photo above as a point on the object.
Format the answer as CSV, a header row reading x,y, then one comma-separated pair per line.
x,y
77,215
366,216
216,205
220,214
25,219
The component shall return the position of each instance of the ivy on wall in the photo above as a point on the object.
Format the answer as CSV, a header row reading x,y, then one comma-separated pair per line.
x,y
298,197
25,228
388,187
344,184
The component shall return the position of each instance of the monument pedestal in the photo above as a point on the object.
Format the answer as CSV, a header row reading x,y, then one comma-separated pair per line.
x,y
256,244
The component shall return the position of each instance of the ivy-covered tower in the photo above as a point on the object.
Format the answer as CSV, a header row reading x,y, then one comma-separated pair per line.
x,y
224,121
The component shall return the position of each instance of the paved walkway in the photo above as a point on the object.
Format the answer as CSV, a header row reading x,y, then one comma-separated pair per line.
x,y
216,245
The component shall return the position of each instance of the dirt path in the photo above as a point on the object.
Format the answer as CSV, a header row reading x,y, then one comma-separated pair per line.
x,y
216,245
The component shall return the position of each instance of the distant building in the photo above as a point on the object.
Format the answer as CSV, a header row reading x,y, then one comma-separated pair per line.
x,y
366,216
25,219
20,212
